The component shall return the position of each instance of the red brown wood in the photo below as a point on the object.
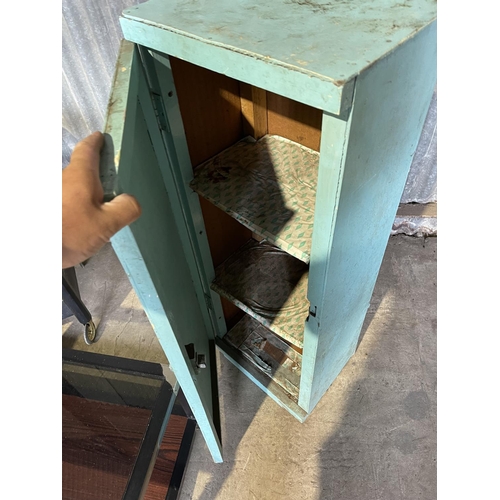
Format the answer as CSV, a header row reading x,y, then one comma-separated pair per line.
x,y
100,442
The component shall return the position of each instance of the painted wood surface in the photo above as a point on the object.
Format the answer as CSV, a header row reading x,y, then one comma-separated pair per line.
x,y
305,88
169,142
305,50
152,250
363,168
371,69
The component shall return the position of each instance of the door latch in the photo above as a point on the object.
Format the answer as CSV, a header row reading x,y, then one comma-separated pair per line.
x,y
198,360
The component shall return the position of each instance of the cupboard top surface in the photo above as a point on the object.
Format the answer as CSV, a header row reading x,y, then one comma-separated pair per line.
x,y
332,40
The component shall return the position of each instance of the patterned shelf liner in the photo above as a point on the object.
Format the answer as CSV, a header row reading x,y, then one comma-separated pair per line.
x,y
269,285
269,186
268,353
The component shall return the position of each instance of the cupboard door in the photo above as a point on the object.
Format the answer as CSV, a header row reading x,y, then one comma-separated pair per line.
x,y
155,251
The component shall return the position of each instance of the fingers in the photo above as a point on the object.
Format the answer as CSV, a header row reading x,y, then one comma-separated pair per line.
x,y
120,212
87,151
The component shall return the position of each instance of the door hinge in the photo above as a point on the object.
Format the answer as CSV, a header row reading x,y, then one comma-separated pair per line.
x,y
159,110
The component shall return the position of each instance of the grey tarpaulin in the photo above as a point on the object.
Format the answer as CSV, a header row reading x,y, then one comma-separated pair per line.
x,y
91,36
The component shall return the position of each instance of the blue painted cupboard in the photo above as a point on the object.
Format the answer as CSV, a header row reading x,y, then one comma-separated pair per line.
x,y
268,144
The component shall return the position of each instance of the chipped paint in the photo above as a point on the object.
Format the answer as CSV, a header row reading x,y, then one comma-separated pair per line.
x,y
293,33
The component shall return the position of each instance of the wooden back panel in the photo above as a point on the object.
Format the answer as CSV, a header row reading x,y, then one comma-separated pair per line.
x,y
294,120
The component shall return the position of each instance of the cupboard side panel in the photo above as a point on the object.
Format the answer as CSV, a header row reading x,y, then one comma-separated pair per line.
x,y
390,104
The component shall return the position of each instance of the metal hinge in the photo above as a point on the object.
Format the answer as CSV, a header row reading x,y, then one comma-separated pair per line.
x,y
160,115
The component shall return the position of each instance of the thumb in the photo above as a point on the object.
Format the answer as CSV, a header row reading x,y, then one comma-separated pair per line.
x,y
120,212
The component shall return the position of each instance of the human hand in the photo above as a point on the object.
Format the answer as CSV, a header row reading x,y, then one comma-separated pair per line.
x,y
87,222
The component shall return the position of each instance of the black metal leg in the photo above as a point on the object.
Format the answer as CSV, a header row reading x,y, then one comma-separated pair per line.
x,y
71,298
73,301
145,461
181,462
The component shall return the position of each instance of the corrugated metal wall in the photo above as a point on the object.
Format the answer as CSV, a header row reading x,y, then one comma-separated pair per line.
x,y
91,36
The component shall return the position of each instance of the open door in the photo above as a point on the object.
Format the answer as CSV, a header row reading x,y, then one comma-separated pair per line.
x,y
156,251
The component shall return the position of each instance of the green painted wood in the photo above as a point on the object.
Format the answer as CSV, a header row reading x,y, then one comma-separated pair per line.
x,y
361,179
153,250
304,50
371,69
160,134
182,173
303,88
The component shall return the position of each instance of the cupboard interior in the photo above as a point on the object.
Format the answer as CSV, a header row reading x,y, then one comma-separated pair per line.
x,y
260,276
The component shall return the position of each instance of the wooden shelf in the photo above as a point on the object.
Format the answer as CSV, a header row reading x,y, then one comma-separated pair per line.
x,y
269,186
269,285
268,353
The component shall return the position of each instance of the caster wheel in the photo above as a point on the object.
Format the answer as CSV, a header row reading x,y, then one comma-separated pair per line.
x,y
90,333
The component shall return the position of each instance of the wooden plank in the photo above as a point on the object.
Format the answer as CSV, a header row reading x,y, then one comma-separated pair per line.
x,y
311,90
210,109
359,191
253,110
247,112
165,461
294,120
259,100
417,210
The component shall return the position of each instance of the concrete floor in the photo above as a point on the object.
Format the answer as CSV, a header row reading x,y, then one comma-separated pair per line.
x,y
371,437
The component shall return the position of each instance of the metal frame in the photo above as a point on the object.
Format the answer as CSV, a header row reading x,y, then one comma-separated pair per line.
x,y
72,301
182,459
146,458
168,402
